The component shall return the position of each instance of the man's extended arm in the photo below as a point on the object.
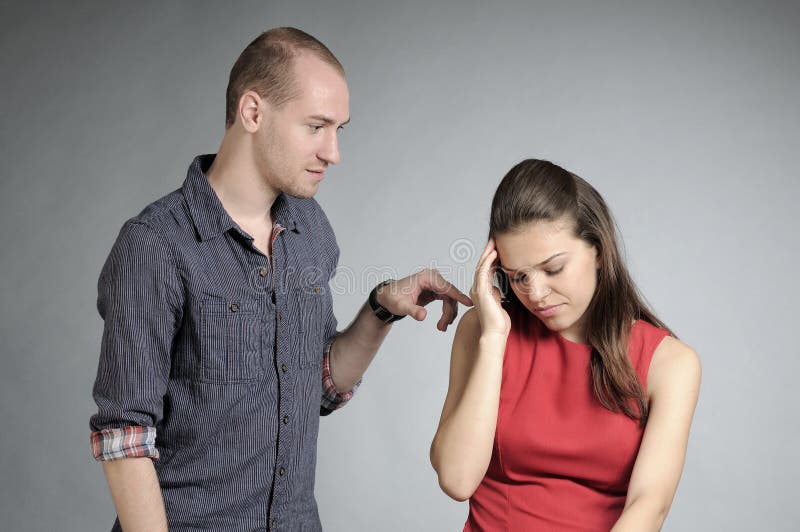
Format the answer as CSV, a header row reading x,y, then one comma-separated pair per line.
x,y
355,347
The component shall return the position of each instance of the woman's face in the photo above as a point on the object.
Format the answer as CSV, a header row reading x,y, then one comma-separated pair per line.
x,y
552,272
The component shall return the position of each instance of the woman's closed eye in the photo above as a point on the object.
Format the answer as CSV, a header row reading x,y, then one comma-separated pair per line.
x,y
521,278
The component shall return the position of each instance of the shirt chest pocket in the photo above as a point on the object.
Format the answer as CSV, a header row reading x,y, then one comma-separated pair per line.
x,y
232,334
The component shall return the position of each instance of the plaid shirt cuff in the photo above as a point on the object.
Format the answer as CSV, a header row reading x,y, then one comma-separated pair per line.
x,y
124,442
331,398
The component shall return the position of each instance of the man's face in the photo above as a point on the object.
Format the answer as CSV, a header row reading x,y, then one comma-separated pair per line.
x,y
299,140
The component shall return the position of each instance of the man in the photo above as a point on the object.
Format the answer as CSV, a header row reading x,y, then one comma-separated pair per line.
x,y
220,348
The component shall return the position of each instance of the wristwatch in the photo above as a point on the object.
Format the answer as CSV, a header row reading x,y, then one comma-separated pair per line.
x,y
379,310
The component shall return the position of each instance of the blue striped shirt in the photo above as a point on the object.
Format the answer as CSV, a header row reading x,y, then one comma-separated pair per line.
x,y
218,350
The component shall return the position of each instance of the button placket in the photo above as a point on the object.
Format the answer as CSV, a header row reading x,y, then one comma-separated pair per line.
x,y
283,349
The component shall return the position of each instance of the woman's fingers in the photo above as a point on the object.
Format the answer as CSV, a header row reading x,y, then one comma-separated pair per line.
x,y
484,269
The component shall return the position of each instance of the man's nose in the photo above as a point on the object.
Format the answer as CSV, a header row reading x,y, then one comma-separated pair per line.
x,y
330,149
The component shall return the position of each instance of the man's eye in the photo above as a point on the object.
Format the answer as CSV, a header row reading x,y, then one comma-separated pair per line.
x,y
315,127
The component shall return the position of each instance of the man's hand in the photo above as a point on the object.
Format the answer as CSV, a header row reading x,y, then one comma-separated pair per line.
x,y
408,297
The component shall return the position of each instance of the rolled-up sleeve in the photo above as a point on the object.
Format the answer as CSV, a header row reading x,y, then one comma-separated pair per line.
x,y
332,399
140,300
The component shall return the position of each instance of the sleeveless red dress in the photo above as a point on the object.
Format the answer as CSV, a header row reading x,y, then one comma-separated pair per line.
x,y
561,462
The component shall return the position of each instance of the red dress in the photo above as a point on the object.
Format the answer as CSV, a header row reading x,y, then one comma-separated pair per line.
x,y
560,460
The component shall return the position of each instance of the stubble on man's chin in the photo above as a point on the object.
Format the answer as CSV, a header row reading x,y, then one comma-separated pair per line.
x,y
301,193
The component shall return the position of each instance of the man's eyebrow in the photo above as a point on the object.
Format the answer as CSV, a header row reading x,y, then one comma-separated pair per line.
x,y
508,270
327,120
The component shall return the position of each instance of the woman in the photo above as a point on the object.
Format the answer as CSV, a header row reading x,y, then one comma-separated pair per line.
x,y
569,405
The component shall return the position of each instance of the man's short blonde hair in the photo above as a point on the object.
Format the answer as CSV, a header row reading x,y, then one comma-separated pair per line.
x,y
266,67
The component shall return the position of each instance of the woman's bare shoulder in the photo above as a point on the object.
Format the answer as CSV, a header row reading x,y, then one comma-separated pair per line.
x,y
674,365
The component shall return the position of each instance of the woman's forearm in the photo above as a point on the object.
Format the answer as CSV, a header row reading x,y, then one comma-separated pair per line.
x,y
462,447
642,515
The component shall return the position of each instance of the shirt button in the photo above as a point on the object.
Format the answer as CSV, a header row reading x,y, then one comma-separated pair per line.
x,y
285,420
281,471
284,368
280,316
273,524
263,271
316,289
234,307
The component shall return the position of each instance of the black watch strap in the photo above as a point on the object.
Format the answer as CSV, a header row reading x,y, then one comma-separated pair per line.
x,y
380,312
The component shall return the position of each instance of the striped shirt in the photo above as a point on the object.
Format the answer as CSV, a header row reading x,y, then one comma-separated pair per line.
x,y
214,358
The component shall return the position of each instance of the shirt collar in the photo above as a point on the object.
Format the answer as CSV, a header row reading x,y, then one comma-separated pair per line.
x,y
209,216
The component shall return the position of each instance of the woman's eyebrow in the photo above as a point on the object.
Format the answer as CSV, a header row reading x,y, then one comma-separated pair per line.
x,y
510,270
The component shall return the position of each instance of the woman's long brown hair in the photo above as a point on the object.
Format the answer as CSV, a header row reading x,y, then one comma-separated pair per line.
x,y
536,190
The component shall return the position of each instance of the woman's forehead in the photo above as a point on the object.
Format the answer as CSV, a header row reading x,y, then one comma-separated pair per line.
x,y
535,243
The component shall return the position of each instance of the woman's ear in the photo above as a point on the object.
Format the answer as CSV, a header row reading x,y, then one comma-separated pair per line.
x,y
502,284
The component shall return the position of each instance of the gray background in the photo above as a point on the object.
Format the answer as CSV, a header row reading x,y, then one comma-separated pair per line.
x,y
683,114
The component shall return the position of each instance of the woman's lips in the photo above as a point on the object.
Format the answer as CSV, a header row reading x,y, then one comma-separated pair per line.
x,y
549,311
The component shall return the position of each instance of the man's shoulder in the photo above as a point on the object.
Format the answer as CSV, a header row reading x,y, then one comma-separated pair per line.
x,y
147,233
163,208
147,236
161,215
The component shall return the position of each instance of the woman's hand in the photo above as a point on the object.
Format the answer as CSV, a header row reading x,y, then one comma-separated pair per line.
x,y
462,449
486,297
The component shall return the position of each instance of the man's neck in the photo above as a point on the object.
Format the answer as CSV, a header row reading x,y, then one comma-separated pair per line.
x,y
240,188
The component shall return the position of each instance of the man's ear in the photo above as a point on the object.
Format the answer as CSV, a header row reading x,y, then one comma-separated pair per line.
x,y
252,109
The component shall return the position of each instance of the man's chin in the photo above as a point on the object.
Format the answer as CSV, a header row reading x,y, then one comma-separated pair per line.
x,y
304,193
